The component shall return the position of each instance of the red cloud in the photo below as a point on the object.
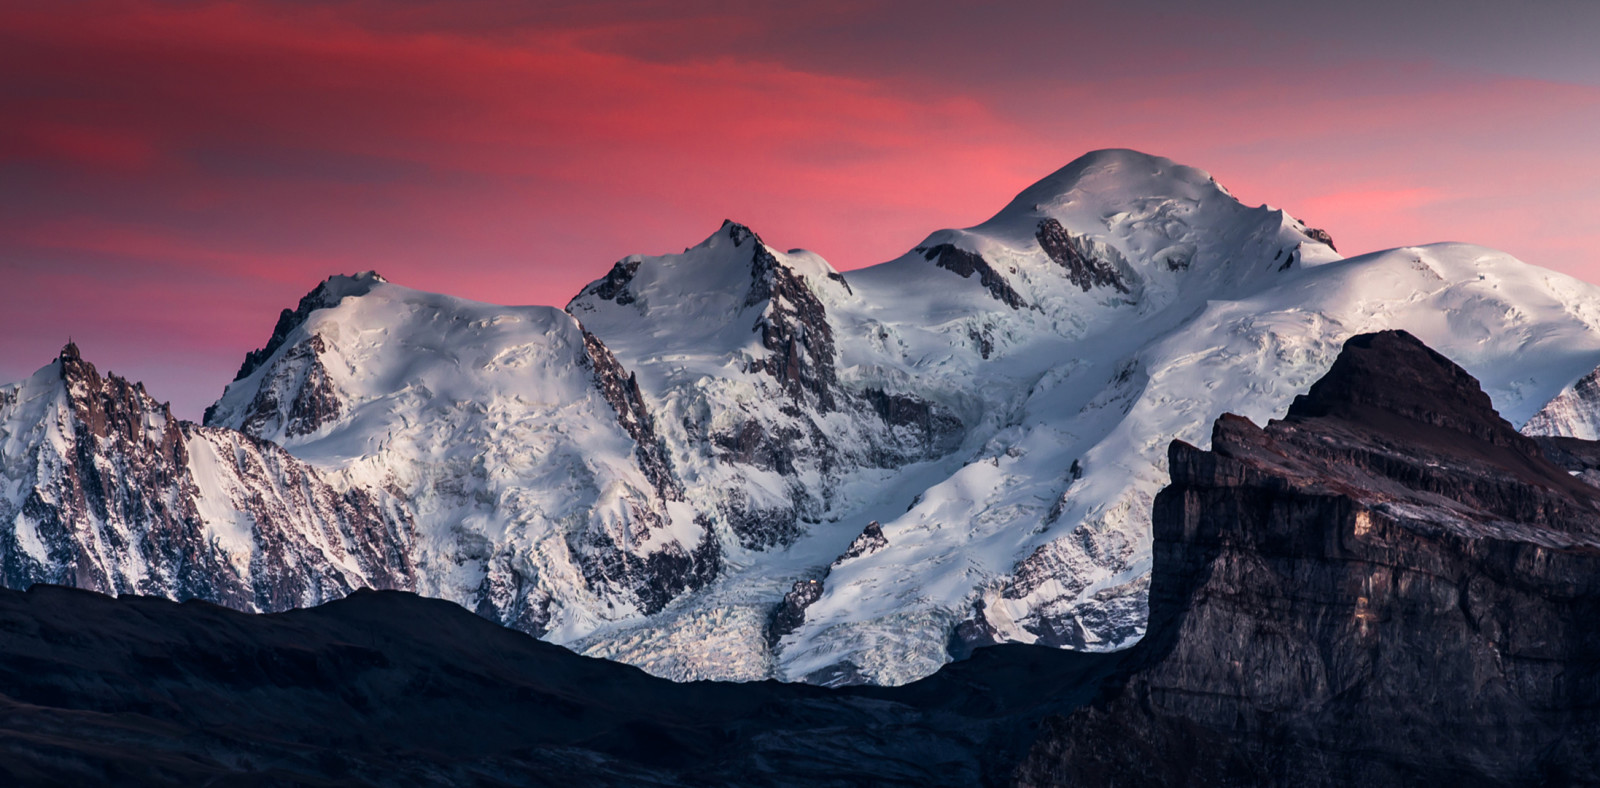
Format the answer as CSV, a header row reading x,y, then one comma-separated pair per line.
x,y
238,152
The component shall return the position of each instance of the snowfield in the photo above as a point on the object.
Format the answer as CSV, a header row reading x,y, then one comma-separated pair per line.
x,y
648,474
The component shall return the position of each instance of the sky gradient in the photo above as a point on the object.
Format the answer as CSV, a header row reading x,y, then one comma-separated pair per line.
x,y
173,174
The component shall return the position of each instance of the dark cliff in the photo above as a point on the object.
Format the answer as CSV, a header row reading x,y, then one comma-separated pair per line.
x,y
388,688
1388,587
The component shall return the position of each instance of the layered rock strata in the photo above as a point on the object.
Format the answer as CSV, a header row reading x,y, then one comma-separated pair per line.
x,y
1390,586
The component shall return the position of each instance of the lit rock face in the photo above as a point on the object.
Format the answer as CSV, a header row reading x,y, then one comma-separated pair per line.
x,y
543,495
1574,413
106,491
1389,585
647,474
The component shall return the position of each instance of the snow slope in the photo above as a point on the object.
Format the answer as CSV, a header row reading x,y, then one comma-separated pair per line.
x,y
736,462
1574,413
1112,407
101,488
507,431
1117,304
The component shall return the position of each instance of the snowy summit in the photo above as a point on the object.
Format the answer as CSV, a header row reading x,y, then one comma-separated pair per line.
x,y
739,463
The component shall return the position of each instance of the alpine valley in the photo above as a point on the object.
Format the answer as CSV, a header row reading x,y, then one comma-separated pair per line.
x,y
739,463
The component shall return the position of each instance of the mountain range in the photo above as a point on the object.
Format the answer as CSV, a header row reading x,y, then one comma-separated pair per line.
x,y
739,463
1386,586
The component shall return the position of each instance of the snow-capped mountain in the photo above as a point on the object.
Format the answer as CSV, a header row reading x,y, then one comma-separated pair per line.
x,y
1574,413
1119,303
540,491
736,462
103,489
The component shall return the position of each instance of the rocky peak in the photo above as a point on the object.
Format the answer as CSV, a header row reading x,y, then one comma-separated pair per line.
x,y
733,261
1344,574
870,541
738,233
1390,408
327,294
1574,413
793,322
1392,373
111,408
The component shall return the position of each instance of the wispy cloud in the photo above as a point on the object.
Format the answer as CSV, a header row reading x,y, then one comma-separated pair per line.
x,y
238,152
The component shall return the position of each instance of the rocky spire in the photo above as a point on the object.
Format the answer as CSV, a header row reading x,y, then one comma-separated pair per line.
x,y
327,294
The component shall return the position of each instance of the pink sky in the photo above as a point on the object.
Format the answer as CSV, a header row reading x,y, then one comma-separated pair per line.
x,y
173,174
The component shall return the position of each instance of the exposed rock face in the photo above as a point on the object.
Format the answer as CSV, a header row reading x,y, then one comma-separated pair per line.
x,y
614,287
1579,457
621,388
297,397
953,258
1321,236
329,293
1574,413
652,578
1084,267
1388,587
792,613
870,541
933,431
794,324
111,493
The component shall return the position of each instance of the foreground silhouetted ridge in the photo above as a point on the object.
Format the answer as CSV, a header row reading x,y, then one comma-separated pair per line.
x,y
737,462
1387,587
387,687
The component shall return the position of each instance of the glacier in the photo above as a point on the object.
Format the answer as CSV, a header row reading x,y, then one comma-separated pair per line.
x,y
899,463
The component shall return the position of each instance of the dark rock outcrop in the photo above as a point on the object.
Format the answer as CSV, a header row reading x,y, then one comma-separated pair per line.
x,y
870,541
794,325
300,377
1321,236
1084,268
1579,458
614,287
953,258
621,388
1388,587
933,430
610,560
327,294
116,504
791,613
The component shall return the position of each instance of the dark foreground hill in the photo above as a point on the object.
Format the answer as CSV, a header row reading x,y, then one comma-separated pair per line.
x,y
1390,586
